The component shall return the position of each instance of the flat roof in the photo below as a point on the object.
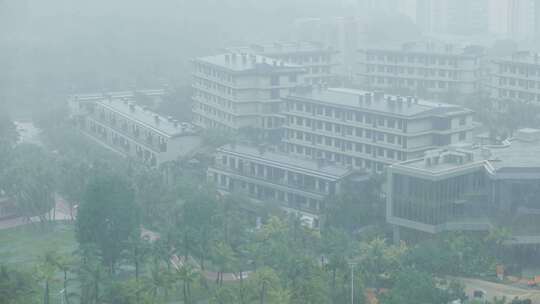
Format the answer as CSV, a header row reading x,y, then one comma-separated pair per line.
x,y
512,159
281,48
117,94
286,160
350,98
147,118
252,62
524,57
430,47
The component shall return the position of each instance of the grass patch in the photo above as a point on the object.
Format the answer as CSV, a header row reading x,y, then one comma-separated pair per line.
x,y
25,244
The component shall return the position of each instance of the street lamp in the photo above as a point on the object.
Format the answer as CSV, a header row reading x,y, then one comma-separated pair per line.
x,y
352,264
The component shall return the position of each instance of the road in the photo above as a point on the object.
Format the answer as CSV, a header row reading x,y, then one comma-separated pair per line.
x,y
499,290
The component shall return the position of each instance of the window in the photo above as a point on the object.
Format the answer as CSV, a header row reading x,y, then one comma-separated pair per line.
x,y
328,141
274,80
380,151
462,135
328,112
462,121
293,78
274,94
328,127
358,132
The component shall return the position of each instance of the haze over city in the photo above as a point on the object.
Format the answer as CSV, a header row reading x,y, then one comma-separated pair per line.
x,y
284,151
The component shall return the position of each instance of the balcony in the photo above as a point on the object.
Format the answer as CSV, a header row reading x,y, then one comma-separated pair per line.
x,y
294,184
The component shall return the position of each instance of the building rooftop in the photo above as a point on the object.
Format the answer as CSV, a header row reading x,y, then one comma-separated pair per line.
x,y
163,125
244,62
312,167
117,94
524,57
431,47
514,158
380,102
282,48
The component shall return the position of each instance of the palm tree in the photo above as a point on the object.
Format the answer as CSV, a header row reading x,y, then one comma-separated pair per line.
x,y
46,270
188,275
224,257
91,274
65,264
265,280
158,283
224,295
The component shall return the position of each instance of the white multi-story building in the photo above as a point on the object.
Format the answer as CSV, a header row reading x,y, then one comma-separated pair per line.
x,y
318,60
232,91
515,78
116,122
297,185
369,130
427,69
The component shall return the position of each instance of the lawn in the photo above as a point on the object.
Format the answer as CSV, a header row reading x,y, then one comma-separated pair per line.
x,y
24,245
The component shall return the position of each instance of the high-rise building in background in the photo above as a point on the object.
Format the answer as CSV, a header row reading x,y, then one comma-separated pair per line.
x,y
516,19
403,7
341,33
521,15
461,17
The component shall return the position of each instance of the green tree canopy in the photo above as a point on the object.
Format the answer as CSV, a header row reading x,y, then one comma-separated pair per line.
x,y
108,217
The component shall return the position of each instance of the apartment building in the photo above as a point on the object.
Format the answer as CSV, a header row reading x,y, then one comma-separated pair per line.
x,y
117,123
232,91
470,189
427,69
319,61
297,185
342,33
370,130
515,78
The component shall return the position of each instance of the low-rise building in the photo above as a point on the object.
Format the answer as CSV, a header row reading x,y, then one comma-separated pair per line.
x,y
297,185
515,78
472,188
318,60
116,122
370,130
428,69
232,91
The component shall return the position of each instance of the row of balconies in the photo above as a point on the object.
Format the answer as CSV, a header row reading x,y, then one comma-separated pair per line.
x,y
134,134
276,180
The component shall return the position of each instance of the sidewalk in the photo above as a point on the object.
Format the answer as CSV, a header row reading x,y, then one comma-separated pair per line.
x,y
61,213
